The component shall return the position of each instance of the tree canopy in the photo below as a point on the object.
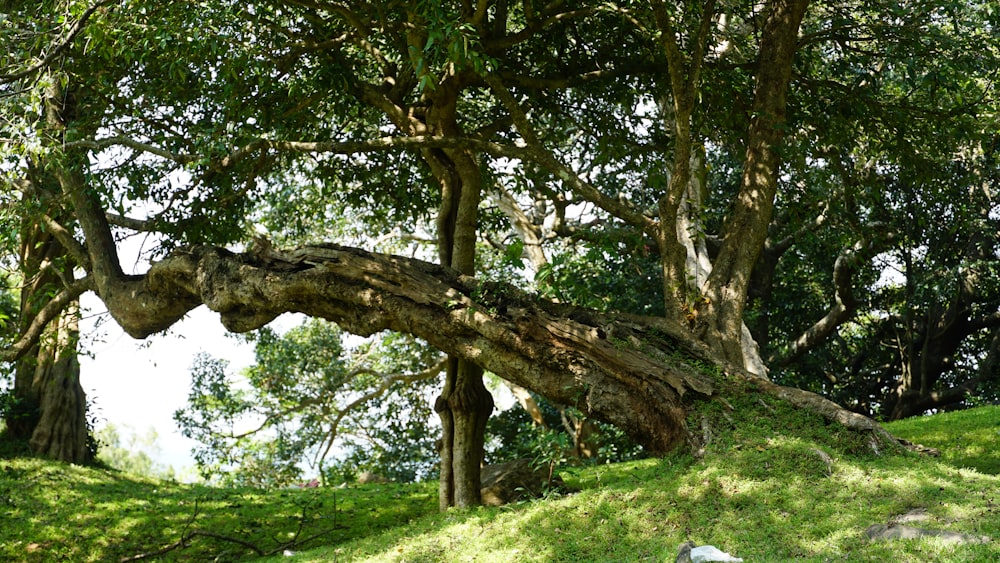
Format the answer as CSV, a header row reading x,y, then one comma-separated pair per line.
x,y
631,206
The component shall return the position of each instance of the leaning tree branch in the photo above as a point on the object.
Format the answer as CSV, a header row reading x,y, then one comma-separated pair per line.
x,y
47,314
538,345
611,367
845,303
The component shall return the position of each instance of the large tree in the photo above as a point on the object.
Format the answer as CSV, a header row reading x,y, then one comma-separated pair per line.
x,y
878,286
599,119
46,405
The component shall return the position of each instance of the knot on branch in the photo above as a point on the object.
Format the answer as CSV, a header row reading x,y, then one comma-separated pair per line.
x,y
233,288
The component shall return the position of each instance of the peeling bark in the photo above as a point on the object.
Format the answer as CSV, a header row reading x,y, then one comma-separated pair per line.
x,y
633,372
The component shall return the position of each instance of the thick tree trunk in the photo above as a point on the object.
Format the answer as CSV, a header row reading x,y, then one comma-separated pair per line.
x,y
61,432
51,416
745,229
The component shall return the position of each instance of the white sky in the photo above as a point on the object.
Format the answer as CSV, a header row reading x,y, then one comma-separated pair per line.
x,y
139,384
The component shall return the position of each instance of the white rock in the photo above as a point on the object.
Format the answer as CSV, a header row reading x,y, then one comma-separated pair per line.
x,y
711,553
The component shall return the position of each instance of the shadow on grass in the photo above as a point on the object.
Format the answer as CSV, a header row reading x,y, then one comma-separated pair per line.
x,y
56,512
769,489
778,500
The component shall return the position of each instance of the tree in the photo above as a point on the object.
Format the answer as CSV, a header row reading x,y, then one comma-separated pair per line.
x,y
416,111
130,455
909,162
307,397
47,404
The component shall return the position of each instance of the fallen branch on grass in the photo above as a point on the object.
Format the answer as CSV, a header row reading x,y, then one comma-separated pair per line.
x,y
183,542
187,536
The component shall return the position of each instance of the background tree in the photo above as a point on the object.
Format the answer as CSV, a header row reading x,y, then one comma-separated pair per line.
x,y
897,206
308,397
131,453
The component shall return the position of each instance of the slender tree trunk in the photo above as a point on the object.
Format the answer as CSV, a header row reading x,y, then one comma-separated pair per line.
x,y
465,404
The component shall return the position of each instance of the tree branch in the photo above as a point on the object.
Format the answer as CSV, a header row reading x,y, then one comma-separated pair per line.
x,y
535,152
49,312
76,250
845,304
382,144
533,343
59,48
128,142
141,225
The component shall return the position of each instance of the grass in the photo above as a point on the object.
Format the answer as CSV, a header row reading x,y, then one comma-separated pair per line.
x,y
56,512
762,492
969,438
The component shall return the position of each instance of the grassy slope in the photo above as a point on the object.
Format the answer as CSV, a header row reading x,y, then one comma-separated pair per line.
x,y
966,438
761,492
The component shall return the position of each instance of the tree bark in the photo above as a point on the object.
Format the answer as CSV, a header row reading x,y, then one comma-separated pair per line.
x,y
61,432
637,373
745,229
464,407
51,416
672,236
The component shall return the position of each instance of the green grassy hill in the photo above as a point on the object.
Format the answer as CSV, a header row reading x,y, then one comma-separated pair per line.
x,y
775,488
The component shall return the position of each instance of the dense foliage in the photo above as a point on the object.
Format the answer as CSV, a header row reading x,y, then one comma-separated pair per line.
x,y
829,185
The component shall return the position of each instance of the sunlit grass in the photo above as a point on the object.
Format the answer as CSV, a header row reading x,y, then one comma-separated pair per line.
x,y
762,492
969,438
